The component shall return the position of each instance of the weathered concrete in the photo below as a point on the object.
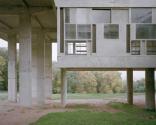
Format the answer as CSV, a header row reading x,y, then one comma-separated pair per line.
x,y
25,58
34,67
63,87
48,70
150,89
130,86
40,68
12,81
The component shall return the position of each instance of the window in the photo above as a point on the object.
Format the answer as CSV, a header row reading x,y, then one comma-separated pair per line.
x,y
70,32
151,47
146,31
111,31
77,15
67,15
135,47
101,16
141,15
84,31
76,47
70,47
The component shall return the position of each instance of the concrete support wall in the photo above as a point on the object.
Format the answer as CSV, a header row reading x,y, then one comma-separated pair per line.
x,y
12,83
25,66
48,70
63,87
130,86
150,89
40,69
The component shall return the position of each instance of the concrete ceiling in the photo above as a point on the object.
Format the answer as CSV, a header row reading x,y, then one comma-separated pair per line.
x,y
43,16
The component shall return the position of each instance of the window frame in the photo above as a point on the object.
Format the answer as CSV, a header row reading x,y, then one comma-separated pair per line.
x,y
118,32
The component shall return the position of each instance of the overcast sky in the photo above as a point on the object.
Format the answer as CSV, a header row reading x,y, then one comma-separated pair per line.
x,y
137,74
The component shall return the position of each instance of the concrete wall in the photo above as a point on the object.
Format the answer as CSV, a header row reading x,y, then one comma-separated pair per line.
x,y
111,53
105,3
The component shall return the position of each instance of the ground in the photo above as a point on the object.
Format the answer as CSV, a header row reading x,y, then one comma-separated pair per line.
x,y
13,114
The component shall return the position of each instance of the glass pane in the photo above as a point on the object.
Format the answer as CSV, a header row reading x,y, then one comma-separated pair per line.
x,y
78,15
135,47
76,47
70,48
111,31
101,16
146,31
70,31
84,31
151,47
81,48
67,15
141,15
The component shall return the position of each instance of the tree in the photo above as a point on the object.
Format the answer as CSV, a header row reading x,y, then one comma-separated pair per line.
x,y
139,85
3,69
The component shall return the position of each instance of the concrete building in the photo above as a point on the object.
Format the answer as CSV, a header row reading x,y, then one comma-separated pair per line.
x,y
108,35
32,24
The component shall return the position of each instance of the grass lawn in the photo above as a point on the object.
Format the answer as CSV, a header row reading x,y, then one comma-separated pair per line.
x,y
127,115
3,96
93,96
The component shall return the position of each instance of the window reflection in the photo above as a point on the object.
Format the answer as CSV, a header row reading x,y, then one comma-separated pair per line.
x,y
141,15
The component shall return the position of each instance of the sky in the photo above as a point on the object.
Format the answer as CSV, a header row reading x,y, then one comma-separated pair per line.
x,y
137,74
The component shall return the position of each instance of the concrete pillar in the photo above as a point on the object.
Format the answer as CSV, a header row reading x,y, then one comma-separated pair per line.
x,y
12,82
150,89
63,87
34,67
40,69
48,70
130,86
25,66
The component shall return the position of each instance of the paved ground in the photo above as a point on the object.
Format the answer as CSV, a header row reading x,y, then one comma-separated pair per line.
x,y
13,114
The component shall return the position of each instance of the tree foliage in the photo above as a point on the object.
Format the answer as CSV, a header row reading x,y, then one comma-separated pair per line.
x,y
89,81
3,69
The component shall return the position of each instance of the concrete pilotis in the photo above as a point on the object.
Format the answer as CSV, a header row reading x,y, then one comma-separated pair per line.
x,y
130,86
63,87
12,81
48,70
25,58
34,67
40,69
150,89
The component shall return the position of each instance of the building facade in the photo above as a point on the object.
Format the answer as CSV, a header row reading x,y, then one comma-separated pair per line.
x,y
107,35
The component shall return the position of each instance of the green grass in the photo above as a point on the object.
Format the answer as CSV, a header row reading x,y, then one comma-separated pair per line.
x,y
93,96
129,115
3,96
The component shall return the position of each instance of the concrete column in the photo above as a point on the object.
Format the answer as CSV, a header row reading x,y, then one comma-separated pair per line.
x,y
40,69
130,86
63,87
12,82
150,89
34,67
25,66
48,70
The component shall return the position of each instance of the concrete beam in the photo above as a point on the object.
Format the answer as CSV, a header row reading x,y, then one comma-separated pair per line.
x,y
35,30
150,89
17,10
12,81
63,87
25,58
130,86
